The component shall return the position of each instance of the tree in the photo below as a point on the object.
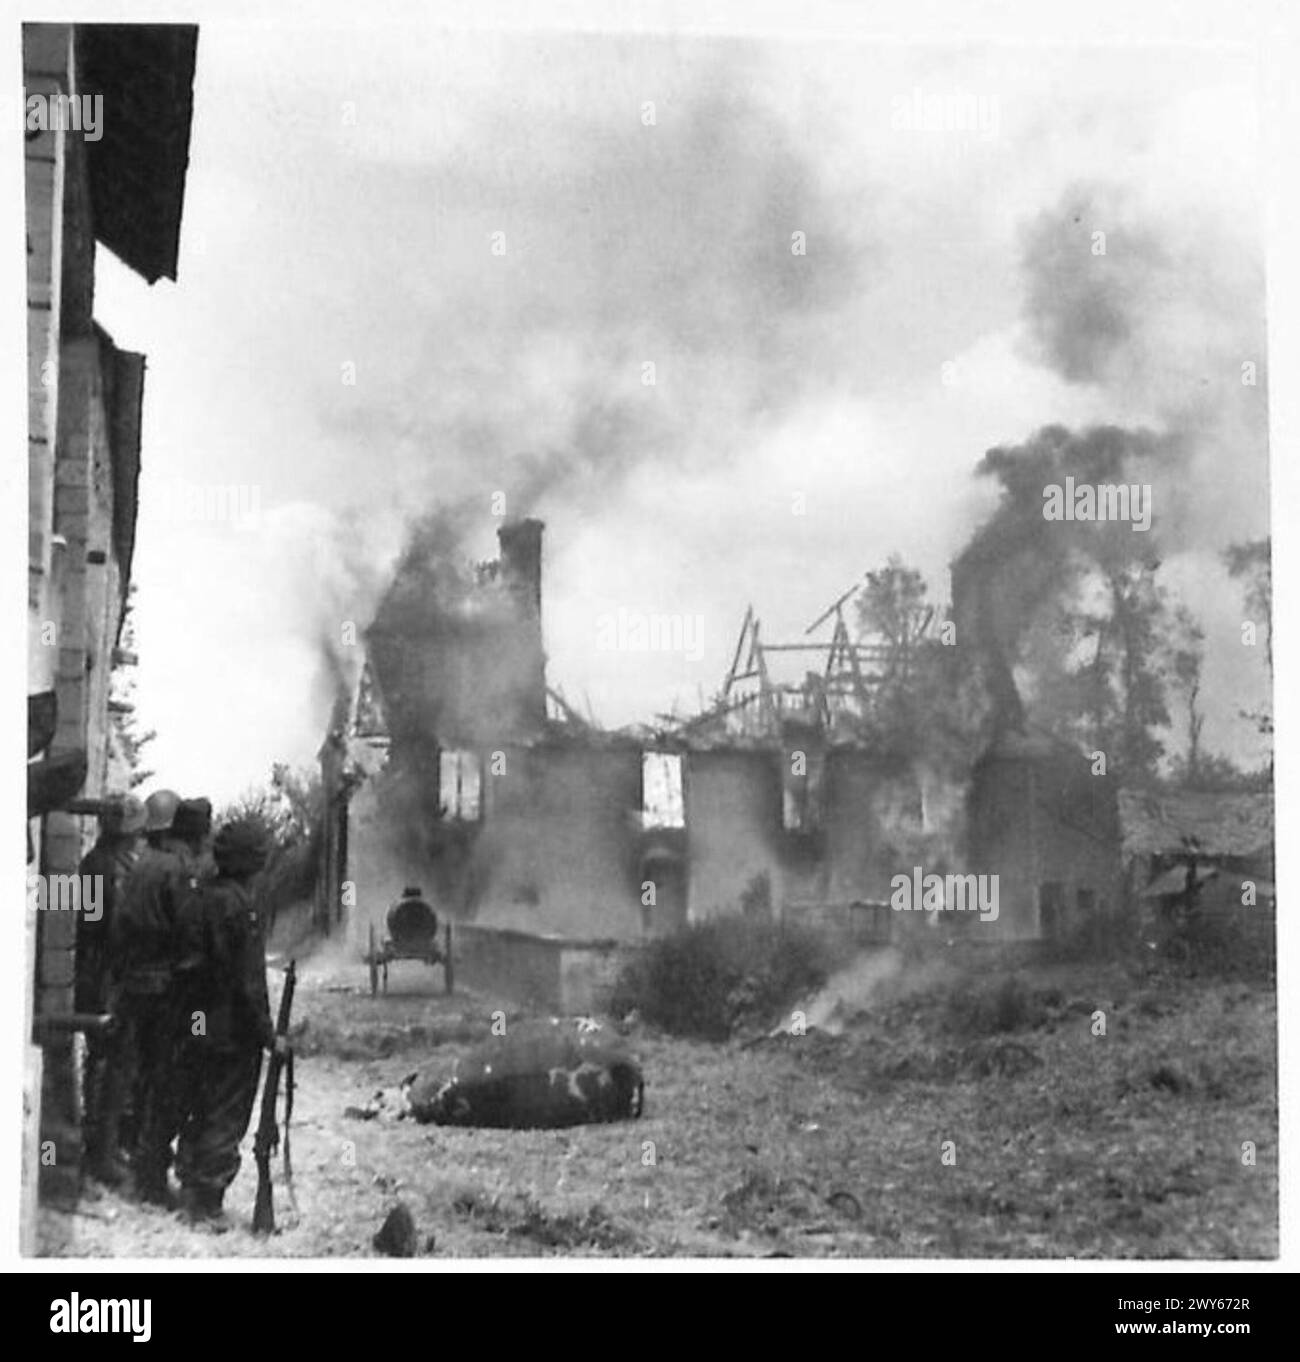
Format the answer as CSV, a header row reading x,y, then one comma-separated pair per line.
x,y
893,607
129,740
1098,661
1137,625
1186,653
1251,562
924,702
290,808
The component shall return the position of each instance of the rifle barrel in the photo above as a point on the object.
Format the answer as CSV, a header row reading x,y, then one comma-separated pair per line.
x,y
268,1129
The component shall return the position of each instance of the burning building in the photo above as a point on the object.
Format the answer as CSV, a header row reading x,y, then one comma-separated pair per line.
x,y
453,765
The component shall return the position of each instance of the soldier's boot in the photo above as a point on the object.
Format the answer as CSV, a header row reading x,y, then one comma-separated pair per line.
x,y
201,1206
152,1188
103,1161
106,1168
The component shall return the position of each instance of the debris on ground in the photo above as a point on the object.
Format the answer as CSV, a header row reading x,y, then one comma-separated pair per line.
x,y
398,1238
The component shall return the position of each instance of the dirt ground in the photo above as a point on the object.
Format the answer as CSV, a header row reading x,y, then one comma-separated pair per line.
x,y
900,1137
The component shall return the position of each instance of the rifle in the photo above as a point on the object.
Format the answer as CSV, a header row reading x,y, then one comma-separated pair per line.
x,y
267,1139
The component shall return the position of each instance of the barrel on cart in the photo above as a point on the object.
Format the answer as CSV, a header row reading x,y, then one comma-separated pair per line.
x,y
412,934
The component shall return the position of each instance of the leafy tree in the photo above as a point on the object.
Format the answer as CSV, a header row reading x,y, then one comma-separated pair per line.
x,y
1186,653
290,808
924,703
893,613
1098,661
129,739
289,805
1136,625
1251,562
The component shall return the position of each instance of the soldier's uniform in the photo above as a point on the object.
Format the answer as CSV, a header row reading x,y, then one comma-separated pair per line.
x,y
144,946
229,1019
111,860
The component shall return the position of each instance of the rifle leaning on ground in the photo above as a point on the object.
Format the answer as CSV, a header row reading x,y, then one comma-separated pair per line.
x,y
267,1139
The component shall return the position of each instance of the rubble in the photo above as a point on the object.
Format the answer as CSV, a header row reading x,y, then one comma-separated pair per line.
x,y
398,1238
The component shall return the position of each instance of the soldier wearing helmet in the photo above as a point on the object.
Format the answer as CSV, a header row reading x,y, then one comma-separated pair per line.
x,y
223,943
109,862
145,954
192,825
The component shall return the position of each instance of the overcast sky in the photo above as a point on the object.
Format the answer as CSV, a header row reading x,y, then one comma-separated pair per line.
x,y
810,413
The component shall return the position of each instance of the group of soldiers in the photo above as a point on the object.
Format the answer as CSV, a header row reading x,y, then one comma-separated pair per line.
x,y
177,959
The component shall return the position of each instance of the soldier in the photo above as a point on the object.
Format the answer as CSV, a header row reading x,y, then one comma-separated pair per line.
x,y
110,860
224,976
193,826
144,948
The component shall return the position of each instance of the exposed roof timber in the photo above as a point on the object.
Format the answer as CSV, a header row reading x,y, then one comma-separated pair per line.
x,y
836,608
566,708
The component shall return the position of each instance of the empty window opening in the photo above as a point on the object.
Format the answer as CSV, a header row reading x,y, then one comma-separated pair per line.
x,y
460,785
662,802
801,790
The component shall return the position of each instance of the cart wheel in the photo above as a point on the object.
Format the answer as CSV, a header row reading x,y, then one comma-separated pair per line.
x,y
372,955
447,972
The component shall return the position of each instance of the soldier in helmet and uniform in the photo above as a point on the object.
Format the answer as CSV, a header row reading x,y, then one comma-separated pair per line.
x,y
145,950
224,980
110,861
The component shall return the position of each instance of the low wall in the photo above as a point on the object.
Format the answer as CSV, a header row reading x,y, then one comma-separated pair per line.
x,y
561,975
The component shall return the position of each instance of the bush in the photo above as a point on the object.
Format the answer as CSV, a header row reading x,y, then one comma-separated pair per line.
x,y
713,977
1221,946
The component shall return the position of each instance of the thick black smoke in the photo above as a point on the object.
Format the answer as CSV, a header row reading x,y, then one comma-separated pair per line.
x,y
1160,319
624,245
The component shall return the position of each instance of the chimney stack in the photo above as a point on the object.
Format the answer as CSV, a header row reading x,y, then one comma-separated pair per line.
x,y
521,572
521,561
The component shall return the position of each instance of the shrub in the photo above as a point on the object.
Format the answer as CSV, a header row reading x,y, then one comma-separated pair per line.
x,y
1221,946
710,978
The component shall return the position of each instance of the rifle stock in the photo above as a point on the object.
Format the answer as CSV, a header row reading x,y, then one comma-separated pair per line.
x,y
267,1138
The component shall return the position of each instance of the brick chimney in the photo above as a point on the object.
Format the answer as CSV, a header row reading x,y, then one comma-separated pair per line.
x,y
521,561
521,573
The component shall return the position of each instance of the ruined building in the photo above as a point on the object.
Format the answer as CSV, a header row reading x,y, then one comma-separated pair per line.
x,y
452,765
